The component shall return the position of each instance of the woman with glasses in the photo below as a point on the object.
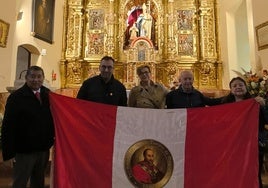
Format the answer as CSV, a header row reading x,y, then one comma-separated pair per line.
x,y
147,94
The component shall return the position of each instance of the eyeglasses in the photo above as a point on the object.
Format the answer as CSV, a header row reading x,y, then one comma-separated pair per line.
x,y
103,67
145,72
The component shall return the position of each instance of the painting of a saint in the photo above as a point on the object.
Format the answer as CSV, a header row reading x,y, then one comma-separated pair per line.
x,y
95,43
43,18
140,19
186,44
96,19
185,19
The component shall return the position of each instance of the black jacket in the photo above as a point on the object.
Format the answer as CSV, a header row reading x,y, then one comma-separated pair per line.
x,y
27,124
179,99
96,90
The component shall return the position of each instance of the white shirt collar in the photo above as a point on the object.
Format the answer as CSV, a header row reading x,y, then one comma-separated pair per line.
x,y
36,91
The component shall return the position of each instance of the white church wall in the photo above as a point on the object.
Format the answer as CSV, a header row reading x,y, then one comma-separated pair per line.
x,y
260,15
6,53
237,21
20,33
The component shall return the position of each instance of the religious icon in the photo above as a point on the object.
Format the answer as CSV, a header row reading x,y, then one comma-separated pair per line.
x,y
133,31
145,23
43,19
96,19
185,19
185,44
148,163
140,23
95,43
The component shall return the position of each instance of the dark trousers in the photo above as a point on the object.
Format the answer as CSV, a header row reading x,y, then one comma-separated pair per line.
x,y
30,166
261,155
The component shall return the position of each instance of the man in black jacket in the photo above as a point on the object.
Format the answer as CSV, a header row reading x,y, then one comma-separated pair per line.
x,y
28,130
104,88
186,96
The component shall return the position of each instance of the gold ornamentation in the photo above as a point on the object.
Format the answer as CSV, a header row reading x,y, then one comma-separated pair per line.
x,y
183,37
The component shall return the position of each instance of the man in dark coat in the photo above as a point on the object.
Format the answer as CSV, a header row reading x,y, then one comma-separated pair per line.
x,y
28,130
186,96
104,88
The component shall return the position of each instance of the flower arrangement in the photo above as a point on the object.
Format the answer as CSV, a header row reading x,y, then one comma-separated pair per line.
x,y
256,85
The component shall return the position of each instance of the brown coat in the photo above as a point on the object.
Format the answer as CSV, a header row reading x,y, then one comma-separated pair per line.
x,y
153,96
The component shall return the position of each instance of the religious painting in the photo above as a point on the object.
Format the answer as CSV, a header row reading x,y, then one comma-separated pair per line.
x,y
185,44
262,35
148,163
95,43
140,24
4,28
96,19
43,19
185,19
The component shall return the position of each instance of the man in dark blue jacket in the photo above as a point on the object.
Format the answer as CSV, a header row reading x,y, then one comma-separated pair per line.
x,y
104,88
28,130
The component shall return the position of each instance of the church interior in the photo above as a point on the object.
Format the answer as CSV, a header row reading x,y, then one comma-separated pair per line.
x,y
170,36
214,39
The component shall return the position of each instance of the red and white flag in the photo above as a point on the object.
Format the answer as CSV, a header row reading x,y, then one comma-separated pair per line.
x,y
100,145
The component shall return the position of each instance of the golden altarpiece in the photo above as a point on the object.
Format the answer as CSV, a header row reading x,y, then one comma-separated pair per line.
x,y
167,35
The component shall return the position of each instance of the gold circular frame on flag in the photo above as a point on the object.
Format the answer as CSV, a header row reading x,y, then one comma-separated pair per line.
x,y
162,159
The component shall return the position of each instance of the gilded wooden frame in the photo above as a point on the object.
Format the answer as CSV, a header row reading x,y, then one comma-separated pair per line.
x,y
262,35
4,28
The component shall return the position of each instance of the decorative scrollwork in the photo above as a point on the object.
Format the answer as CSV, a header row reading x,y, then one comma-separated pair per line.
x,y
183,36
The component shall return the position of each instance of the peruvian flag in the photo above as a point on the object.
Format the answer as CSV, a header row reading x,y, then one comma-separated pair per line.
x,y
104,146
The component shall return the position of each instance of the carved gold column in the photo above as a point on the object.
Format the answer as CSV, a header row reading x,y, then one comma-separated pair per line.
x,y
73,43
63,61
63,73
171,39
208,65
110,47
207,23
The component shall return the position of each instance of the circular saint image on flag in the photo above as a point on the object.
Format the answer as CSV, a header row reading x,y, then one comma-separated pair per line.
x,y
148,163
